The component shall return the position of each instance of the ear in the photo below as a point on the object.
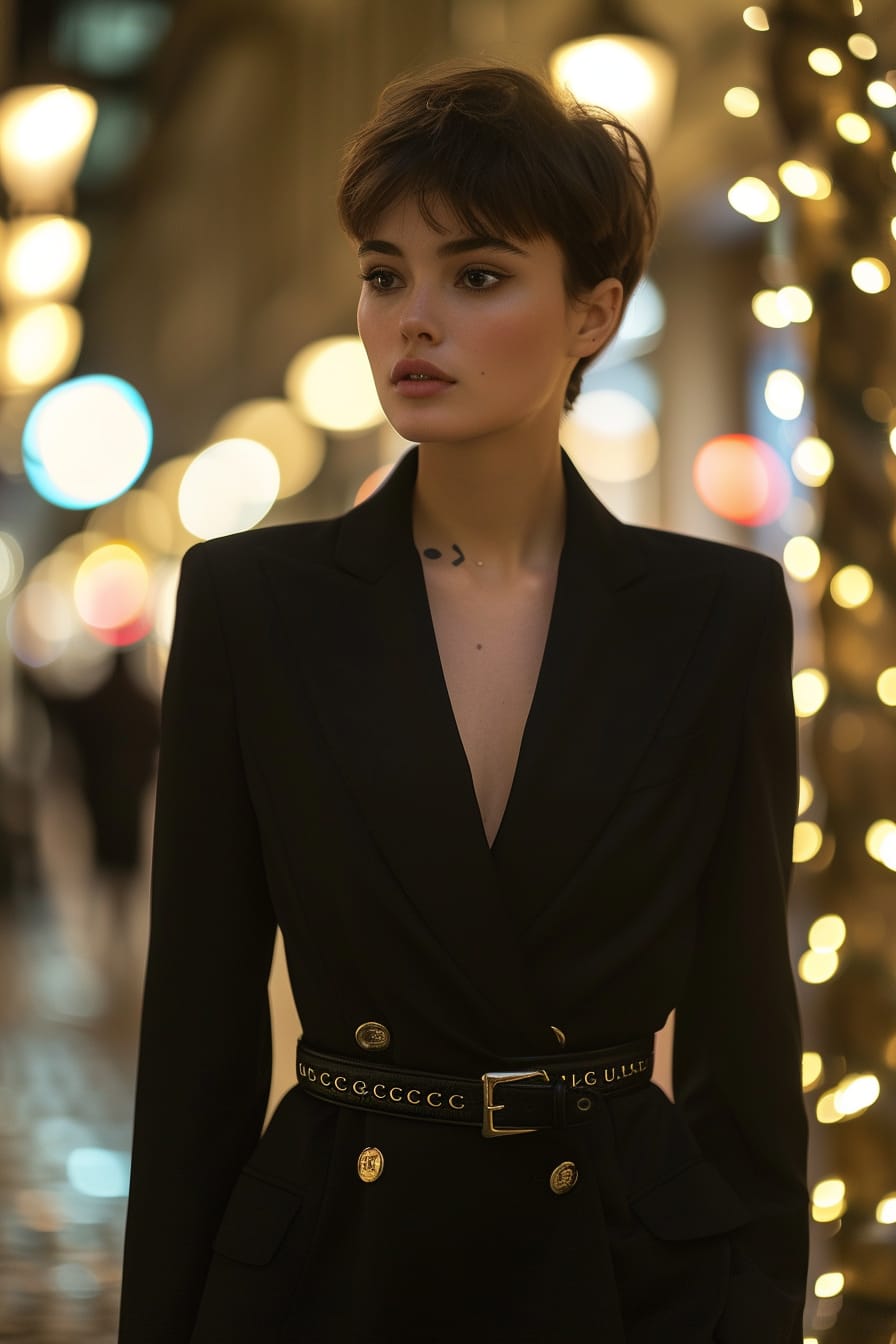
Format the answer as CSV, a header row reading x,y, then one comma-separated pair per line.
x,y
596,316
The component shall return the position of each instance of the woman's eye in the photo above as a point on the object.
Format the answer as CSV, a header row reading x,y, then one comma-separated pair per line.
x,y
479,278
381,280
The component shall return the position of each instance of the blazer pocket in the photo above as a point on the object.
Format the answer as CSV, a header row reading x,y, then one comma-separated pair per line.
x,y
256,1219
696,1202
668,756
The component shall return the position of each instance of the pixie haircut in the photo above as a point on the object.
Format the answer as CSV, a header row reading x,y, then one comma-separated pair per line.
x,y
510,158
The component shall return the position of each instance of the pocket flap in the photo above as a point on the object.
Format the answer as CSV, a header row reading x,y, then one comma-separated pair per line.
x,y
256,1220
696,1202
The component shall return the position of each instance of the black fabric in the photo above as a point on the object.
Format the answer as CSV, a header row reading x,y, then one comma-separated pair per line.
x,y
311,776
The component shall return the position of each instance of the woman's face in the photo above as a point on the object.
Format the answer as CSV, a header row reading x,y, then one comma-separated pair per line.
x,y
466,337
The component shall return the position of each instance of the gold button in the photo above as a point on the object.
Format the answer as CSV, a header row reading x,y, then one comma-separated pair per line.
x,y
561,1036
564,1177
373,1036
370,1164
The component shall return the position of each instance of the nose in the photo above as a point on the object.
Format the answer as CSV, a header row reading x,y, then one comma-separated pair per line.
x,y
418,320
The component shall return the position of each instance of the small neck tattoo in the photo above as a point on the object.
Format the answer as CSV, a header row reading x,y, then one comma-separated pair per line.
x,y
433,553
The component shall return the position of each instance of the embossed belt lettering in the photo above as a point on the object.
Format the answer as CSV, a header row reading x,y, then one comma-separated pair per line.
x,y
556,1093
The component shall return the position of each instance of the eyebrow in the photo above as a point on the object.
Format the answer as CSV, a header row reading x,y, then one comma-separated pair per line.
x,y
450,249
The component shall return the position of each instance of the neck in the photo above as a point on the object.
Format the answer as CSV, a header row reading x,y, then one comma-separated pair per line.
x,y
502,503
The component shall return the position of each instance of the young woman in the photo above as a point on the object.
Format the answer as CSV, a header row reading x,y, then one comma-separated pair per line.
x,y
516,780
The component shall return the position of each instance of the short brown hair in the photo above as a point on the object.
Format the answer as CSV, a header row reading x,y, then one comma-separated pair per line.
x,y
508,156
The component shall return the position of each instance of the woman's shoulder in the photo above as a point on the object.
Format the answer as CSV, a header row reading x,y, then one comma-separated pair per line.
x,y
311,541
681,553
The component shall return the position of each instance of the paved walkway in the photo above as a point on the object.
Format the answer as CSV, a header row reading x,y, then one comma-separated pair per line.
x,y
71,960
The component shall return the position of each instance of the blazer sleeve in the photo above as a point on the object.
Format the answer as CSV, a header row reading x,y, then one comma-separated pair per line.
x,y
737,1044
204,1058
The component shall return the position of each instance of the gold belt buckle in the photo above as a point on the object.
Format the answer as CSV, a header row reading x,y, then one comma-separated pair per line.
x,y
489,1082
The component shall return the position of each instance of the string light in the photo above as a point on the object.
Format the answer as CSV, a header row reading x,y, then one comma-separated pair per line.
x,y
886,1210
824,61
851,586
802,558
741,102
812,461
816,968
810,690
863,47
754,198
808,838
876,835
829,1285
784,394
882,93
801,179
870,275
853,128
767,309
886,686
829,1200
827,934
756,18
812,1069
807,794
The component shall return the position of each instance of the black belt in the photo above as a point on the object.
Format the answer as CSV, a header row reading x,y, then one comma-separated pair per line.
x,y
551,1094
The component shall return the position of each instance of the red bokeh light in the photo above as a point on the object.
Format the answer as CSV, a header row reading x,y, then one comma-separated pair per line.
x,y
741,478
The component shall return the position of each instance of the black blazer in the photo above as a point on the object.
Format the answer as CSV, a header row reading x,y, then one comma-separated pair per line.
x,y
311,775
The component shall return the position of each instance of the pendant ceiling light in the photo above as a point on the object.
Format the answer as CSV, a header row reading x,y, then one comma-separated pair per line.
x,y
620,66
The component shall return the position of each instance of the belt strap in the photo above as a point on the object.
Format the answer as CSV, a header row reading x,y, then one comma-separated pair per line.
x,y
543,1094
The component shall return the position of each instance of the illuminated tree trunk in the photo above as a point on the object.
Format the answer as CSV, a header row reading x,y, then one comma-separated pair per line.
x,y
849,748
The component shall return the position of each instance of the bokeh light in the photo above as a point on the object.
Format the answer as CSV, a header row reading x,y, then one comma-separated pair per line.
x,y
827,934
870,275
825,61
812,1068
881,93
802,558
611,436
86,441
330,384
39,345
810,690
228,487
807,841
755,17
806,795
741,102
784,394
754,198
44,133
877,834
741,478
802,180
12,563
885,686
298,448
45,258
812,461
853,128
111,587
863,47
851,586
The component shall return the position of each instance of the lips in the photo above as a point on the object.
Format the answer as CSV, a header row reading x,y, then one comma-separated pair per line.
x,y
418,370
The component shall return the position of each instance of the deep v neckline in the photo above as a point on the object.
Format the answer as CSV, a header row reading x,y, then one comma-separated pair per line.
x,y
532,714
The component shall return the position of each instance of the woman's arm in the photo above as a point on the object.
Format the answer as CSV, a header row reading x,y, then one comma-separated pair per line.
x,y
205,1049
737,1054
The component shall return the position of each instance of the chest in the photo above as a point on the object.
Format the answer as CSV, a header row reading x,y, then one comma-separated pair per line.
x,y
491,642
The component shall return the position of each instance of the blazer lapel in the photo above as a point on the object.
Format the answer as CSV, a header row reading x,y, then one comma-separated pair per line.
x,y
360,636
621,634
